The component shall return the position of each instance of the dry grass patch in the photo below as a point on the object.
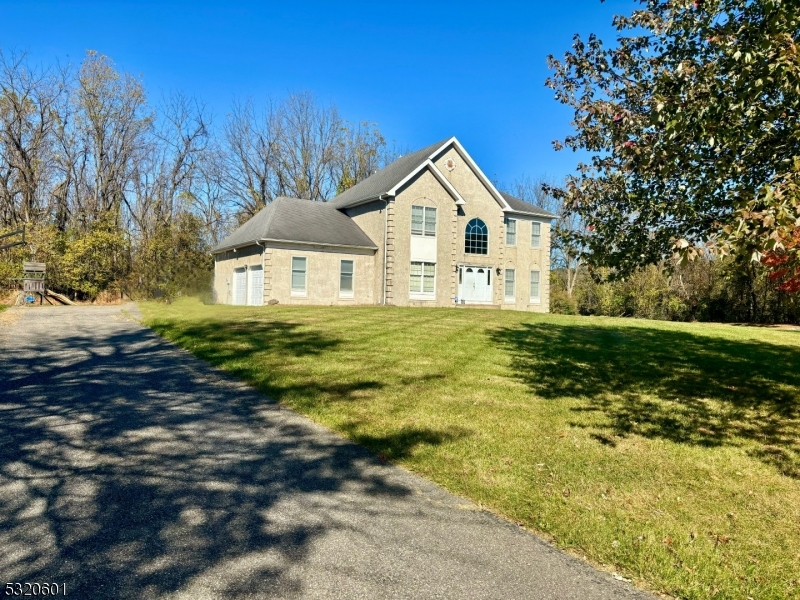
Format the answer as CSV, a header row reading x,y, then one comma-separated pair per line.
x,y
669,452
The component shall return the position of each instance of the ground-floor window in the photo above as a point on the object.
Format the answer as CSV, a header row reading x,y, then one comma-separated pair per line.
x,y
535,297
423,279
510,285
299,264
346,279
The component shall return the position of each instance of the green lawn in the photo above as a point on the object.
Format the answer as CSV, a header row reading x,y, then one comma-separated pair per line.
x,y
667,451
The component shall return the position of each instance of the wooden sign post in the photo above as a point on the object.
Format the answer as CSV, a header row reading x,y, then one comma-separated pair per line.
x,y
33,279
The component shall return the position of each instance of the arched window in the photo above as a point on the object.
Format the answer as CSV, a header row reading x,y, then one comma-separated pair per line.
x,y
476,237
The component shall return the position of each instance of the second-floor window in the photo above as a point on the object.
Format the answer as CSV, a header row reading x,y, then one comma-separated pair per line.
x,y
511,232
423,221
536,235
476,237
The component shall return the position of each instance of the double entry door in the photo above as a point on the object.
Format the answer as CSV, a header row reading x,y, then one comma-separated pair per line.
x,y
475,284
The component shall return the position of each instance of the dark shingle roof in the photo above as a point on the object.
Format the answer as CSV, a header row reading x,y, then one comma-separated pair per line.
x,y
385,179
295,220
388,177
520,206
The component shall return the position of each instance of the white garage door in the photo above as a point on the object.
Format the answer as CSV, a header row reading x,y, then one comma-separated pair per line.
x,y
256,286
239,286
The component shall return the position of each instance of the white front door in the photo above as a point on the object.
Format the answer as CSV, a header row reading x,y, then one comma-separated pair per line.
x,y
256,286
476,284
240,286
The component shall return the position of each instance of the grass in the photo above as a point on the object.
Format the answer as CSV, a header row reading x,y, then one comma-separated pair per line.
x,y
3,307
668,452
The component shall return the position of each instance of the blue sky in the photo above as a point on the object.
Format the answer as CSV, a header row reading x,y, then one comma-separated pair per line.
x,y
421,70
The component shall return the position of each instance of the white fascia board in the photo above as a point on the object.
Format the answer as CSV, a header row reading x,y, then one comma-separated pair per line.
x,y
445,183
442,147
531,215
363,201
429,161
428,164
485,180
407,178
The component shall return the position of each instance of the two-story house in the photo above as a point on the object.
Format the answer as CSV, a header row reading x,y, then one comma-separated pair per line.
x,y
430,229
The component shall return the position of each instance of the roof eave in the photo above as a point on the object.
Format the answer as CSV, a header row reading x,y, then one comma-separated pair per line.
x,y
367,200
325,244
530,214
221,249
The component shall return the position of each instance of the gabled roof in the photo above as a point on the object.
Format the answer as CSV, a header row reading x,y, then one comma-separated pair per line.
x,y
298,221
388,180
322,223
383,181
522,207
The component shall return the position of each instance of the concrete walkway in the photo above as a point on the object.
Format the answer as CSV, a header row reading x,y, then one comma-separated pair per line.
x,y
130,469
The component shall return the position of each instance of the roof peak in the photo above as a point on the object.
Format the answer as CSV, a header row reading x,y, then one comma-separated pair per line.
x,y
380,182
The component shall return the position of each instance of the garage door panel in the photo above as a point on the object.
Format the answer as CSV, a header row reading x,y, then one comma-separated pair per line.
x,y
256,287
239,287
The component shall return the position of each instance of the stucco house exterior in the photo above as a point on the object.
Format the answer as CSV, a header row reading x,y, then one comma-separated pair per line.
x,y
429,229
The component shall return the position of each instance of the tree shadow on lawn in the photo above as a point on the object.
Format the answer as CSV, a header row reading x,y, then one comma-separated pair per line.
x,y
668,384
403,442
234,346
127,471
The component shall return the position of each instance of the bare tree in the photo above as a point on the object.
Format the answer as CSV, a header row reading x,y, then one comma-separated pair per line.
x,y
148,188
28,101
247,158
565,247
308,145
361,152
111,122
165,172
296,148
210,199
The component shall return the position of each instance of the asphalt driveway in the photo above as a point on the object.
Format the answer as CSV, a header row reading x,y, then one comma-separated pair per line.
x,y
130,469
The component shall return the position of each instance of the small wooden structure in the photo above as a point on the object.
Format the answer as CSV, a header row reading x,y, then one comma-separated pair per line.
x,y
33,279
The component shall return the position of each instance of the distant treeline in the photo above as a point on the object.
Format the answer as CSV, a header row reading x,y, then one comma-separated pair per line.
x,y
121,193
722,290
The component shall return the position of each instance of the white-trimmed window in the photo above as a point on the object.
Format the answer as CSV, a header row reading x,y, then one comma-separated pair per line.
x,y
423,221
299,267
346,279
510,285
536,235
535,292
511,232
423,280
